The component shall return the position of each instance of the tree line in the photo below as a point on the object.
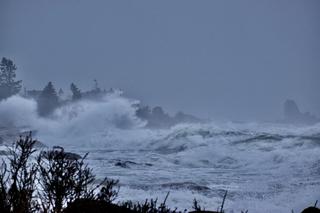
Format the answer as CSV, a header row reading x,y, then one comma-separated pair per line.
x,y
48,99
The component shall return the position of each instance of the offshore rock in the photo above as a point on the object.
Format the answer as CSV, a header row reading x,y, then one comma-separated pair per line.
x,y
292,114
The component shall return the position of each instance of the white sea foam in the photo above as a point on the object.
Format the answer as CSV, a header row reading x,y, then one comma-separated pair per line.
x,y
265,167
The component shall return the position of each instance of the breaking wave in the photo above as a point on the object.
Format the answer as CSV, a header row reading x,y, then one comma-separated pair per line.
x,y
83,118
262,165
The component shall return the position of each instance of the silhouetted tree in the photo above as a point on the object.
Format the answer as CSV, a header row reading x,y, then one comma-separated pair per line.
x,y
48,100
63,179
96,87
49,182
143,112
17,184
8,85
76,93
57,182
109,191
60,93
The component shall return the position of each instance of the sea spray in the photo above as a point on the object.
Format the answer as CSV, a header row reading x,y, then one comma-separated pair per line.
x,y
262,165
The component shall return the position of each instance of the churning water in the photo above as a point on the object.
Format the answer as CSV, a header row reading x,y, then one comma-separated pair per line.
x,y
265,167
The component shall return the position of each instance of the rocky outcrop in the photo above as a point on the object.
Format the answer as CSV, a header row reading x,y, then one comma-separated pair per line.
x,y
157,118
96,206
292,114
128,164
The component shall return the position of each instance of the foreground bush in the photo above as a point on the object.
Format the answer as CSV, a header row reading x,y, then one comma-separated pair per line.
x,y
57,181
47,182
17,178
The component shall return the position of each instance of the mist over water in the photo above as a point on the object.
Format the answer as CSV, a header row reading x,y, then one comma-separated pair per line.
x,y
229,62
265,166
82,117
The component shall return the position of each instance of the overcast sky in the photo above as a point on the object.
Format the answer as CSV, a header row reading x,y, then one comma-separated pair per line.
x,y
219,59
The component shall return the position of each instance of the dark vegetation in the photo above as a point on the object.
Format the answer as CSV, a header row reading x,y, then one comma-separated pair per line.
x,y
157,118
76,93
8,85
55,181
58,181
61,182
48,99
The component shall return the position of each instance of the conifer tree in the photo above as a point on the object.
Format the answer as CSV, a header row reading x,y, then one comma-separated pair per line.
x,y
96,87
76,93
48,100
8,85
61,92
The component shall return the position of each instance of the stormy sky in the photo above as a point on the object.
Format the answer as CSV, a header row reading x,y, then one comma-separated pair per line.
x,y
235,60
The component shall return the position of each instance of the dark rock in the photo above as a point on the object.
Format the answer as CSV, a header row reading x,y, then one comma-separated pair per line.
x,y
204,212
125,164
181,117
292,114
185,185
69,155
56,150
291,110
311,210
72,156
128,164
96,206
157,118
